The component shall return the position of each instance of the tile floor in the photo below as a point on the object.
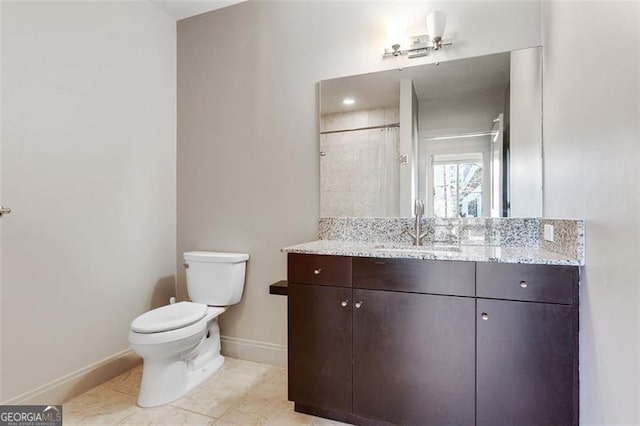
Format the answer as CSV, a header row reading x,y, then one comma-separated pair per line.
x,y
241,393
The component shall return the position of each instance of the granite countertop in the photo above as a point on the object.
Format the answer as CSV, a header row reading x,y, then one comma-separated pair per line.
x,y
477,253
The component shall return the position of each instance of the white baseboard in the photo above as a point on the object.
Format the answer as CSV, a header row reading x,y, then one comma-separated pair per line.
x,y
79,381
254,350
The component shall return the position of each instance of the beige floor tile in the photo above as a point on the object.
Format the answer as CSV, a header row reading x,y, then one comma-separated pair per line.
x,y
242,393
319,421
128,382
98,406
246,367
225,389
256,411
266,404
272,386
224,423
166,415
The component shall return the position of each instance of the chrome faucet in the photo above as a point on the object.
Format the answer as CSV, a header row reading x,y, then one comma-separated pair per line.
x,y
418,210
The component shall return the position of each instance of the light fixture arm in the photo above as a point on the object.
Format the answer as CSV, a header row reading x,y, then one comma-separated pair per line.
x,y
437,43
418,46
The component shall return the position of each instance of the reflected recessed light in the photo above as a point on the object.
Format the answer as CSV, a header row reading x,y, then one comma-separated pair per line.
x,y
348,101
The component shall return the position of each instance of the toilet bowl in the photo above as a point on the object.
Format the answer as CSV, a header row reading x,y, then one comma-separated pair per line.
x,y
180,343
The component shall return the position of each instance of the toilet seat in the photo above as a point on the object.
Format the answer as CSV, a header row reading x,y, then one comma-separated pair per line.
x,y
170,317
176,334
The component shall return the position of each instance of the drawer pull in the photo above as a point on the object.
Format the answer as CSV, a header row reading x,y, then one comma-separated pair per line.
x,y
345,303
485,316
317,271
358,305
523,284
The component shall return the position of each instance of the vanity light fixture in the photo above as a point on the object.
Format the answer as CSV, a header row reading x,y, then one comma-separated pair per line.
x,y
348,101
420,45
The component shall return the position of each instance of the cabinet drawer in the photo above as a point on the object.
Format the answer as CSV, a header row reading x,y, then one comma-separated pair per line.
x,y
319,269
532,283
415,275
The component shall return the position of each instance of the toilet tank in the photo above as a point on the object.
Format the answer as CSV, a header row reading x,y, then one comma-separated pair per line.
x,y
215,278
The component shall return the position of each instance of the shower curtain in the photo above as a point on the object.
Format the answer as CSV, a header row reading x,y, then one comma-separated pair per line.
x,y
360,173
388,172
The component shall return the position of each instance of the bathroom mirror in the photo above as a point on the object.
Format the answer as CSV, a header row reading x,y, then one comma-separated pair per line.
x,y
465,136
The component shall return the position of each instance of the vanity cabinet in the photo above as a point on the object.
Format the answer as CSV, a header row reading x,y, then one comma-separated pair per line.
x,y
320,349
413,358
320,331
527,346
525,366
411,342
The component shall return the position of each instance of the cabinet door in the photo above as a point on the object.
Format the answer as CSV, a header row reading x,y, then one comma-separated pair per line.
x,y
526,364
414,358
320,330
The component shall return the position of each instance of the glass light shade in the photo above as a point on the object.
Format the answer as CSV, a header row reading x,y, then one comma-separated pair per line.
x,y
397,33
436,22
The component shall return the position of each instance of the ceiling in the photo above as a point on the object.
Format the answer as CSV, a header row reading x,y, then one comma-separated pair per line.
x,y
181,9
448,80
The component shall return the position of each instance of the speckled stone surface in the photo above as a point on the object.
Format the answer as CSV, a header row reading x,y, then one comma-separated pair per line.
x,y
568,236
476,253
375,229
504,233
520,232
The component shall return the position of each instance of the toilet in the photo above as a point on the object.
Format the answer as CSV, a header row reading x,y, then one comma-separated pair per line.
x,y
180,343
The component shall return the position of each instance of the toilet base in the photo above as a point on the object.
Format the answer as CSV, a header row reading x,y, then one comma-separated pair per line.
x,y
196,377
166,379
164,387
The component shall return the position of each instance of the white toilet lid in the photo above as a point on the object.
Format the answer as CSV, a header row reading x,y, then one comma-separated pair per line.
x,y
169,317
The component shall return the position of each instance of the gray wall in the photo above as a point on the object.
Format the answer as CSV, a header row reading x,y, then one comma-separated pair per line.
x,y
248,172
592,158
88,166
460,115
525,121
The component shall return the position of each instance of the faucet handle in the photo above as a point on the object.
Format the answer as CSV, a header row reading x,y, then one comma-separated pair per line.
x,y
409,233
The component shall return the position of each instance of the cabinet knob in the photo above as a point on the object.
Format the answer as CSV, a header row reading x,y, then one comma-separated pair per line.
x,y
523,284
345,302
317,271
358,305
485,316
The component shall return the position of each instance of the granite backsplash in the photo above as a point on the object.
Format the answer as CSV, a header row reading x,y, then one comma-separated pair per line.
x,y
506,232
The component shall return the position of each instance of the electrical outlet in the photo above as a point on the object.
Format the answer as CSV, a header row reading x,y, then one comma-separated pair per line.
x,y
548,232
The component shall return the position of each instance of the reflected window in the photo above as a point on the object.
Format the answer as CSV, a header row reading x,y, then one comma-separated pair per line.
x,y
458,185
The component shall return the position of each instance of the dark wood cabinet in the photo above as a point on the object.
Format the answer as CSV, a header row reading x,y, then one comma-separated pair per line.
x,y
532,283
319,269
527,345
527,364
415,276
414,357
320,348
385,341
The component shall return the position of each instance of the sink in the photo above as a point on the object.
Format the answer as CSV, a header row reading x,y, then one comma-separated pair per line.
x,y
405,248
